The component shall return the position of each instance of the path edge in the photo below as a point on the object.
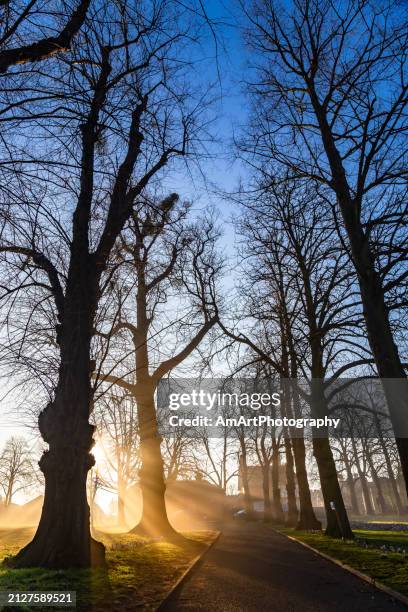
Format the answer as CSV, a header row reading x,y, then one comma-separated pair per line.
x,y
372,581
195,561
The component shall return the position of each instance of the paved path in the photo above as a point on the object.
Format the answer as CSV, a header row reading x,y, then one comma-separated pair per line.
x,y
253,568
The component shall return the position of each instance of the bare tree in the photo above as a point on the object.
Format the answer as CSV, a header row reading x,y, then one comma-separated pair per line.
x,y
215,457
343,451
171,262
116,420
331,99
16,468
300,268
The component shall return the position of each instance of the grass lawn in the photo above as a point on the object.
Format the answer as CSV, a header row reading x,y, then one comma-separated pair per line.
x,y
371,553
139,574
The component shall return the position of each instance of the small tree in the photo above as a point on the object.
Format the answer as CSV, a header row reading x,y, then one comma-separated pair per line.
x,y
16,468
116,420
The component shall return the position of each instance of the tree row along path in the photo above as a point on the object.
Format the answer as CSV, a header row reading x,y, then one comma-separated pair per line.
x,y
251,567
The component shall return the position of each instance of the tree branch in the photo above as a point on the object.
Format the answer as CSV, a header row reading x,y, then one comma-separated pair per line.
x,y
47,46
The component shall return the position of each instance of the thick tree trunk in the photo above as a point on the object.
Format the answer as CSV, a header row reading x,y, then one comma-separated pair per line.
x,y
63,537
376,314
154,521
384,349
338,525
292,515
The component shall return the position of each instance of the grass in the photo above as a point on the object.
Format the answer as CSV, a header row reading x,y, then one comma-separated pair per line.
x,y
372,552
139,571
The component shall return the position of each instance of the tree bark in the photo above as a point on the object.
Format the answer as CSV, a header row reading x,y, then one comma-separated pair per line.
x,y
337,520
63,536
154,521
307,518
46,47
338,525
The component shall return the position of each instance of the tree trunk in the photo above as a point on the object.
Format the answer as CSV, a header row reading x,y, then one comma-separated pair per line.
x,y
9,495
376,313
380,337
366,494
245,480
307,518
154,521
292,516
338,525
277,510
63,537
337,520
